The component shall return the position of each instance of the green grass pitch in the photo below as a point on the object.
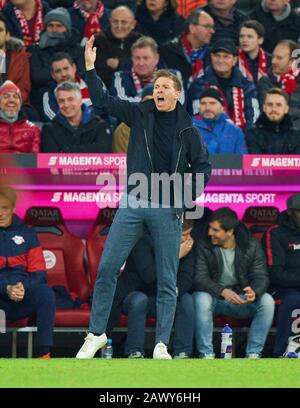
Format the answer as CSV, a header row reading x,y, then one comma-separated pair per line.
x,y
147,373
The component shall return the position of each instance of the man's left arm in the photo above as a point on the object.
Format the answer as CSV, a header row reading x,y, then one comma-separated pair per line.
x,y
252,110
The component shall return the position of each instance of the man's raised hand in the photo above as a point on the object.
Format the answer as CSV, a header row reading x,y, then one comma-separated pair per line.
x,y
90,54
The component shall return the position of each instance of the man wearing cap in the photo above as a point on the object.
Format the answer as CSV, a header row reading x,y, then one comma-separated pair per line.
x,y
282,243
216,128
17,134
58,35
239,94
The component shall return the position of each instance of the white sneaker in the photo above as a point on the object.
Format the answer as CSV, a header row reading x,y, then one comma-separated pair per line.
x,y
253,356
161,352
91,345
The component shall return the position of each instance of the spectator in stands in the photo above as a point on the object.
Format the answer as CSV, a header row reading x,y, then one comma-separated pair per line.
x,y
253,60
114,43
189,52
185,7
239,94
227,17
284,74
231,279
75,129
17,134
135,295
122,132
25,19
128,84
281,244
89,17
273,132
219,133
162,140
159,19
15,67
58,35
63,69
279,20
23,288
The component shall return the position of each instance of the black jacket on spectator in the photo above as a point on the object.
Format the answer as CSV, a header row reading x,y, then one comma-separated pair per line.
x,y
249,262
40,64
140,274
283,255
286,29
13,23
173,55
93,135
270,81
78,21
267,137
109,46
167,27
227,30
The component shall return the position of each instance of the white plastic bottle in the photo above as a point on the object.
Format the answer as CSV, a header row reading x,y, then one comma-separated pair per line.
x,y
107,351
226,342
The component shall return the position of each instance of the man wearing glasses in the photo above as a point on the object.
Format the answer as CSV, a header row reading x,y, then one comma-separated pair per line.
x,y
188,53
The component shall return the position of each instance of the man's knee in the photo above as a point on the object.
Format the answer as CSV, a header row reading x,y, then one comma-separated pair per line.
x,y
268,303
202,301
137,301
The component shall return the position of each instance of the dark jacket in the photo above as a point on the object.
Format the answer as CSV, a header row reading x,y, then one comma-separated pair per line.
x,y
21,256
229,30
267,137
13,23
78,21
140,274
249,262
93,135
189,155
288,28
282,245
173,55
270,81
109,46
167,27
210,78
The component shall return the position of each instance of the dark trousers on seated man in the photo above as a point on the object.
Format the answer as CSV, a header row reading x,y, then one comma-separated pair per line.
x,y
39,302
138,306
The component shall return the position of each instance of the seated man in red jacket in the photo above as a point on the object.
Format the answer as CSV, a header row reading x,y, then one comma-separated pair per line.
x,y
23,292
17,134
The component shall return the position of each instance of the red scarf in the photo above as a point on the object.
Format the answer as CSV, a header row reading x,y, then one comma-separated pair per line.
x,y
92,24
197,65
288,81
139,85
238,114
245,67
37,27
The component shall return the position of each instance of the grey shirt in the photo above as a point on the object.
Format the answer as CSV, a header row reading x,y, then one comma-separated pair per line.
x,y
228,278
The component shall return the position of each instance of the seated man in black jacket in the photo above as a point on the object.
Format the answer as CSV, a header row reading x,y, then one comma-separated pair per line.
x,y
282,248
231,279
273,132
75,129
136,290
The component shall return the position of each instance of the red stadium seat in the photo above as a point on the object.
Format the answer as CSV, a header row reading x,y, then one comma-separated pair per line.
x,y
259,219
64,256
96,240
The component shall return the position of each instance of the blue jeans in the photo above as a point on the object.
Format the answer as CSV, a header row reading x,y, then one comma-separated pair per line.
x,y
206,306
137,306
126,230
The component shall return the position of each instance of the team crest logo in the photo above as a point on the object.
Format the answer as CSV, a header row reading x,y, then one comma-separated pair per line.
x,y
18,239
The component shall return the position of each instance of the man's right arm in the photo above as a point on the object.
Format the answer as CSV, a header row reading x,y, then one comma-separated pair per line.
x,y
99,95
